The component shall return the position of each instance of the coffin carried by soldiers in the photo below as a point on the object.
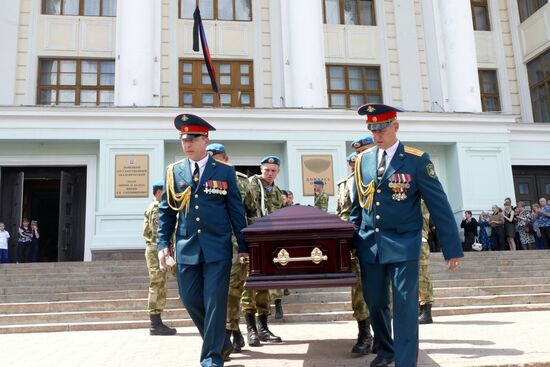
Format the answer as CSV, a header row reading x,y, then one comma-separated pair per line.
x,y
299,247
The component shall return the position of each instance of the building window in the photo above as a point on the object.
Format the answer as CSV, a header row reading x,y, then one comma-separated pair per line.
x,y
480,15
528,7
488,86
353,86
217,9
359,12
98,8
539,84
235,81
72,82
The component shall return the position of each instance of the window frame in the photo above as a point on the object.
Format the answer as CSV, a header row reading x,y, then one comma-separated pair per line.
x,y
545,82
197,88
342,15
526,8
215,12
481,4
80,9
77,87
486,95
349,92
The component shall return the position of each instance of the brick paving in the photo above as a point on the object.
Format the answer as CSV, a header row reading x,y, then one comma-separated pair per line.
x,y
496,339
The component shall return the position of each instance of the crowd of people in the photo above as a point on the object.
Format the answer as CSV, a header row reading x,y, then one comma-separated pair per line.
x,y
27,243
509,228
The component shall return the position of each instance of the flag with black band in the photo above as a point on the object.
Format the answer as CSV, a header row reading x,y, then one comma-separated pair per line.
x,y
198,31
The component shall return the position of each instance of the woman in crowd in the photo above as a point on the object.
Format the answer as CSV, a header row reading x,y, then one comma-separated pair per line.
x,y
469,225
538,238
33,251
525,227
24,241
509,225
496,221
483,236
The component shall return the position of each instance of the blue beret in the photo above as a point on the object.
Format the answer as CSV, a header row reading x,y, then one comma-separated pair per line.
x,y
215,148
159,185
352,157
271,159
319,182
379,115
362,141
191,126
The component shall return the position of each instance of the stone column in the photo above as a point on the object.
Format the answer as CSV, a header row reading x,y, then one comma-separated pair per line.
x,y
9,29
460,66
137,81
304,55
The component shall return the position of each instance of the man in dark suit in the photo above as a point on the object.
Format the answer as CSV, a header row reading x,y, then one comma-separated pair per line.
x,y
204,193
390,180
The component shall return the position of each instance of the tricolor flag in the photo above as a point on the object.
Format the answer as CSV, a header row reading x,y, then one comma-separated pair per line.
x,y
198,29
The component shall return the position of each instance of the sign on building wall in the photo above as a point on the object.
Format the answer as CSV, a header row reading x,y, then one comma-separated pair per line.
x,y
317,167
131,176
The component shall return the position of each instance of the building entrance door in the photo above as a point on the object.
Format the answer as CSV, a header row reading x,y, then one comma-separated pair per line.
x,y
55,198
531,183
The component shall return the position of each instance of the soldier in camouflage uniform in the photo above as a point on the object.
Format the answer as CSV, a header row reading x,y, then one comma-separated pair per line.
x,y
158,279
321,197
262,198
425,288
239,271
358,304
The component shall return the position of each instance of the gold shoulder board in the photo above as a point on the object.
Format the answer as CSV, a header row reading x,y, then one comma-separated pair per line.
x,y
414,151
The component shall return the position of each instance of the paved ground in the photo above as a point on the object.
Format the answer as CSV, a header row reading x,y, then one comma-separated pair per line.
x,y
505,339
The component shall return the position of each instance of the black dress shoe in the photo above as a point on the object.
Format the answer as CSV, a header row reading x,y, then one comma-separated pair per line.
x,y
381,362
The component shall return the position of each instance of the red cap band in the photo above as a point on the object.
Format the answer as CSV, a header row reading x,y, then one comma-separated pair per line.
x,y
381,117
194,129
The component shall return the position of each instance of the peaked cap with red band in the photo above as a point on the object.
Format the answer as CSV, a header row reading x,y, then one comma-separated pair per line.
x,y
379,116
192,126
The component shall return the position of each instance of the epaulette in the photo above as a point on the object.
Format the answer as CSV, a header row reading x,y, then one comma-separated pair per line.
x,y
242,175
414,151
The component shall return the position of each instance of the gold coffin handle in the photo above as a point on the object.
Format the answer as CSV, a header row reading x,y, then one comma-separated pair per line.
x,y
283,257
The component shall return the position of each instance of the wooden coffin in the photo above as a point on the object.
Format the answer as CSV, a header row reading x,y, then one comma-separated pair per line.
x,y
299,247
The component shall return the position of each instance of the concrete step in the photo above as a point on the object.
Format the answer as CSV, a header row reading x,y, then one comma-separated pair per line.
x,y
495,300
441,283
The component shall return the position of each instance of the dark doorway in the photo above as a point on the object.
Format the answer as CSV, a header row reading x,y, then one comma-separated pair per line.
x,y
53,196
531,183
249,170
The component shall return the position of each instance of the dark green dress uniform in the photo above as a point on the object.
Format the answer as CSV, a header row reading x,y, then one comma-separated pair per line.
x,y
388,220
207,212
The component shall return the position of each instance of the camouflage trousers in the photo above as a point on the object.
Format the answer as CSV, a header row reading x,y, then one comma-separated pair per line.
x,y
237,279
425,287
256,300
158,282
276,294
358,304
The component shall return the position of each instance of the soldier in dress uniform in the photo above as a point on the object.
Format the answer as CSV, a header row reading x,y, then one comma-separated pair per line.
x,y
390,179
158,279
203,197
358,304
425,287
262,197
239,270
321,197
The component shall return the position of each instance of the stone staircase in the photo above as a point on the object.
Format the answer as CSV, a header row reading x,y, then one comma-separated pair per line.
x,y
113,294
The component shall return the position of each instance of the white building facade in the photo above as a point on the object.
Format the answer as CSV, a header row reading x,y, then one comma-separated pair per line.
x,y
88,86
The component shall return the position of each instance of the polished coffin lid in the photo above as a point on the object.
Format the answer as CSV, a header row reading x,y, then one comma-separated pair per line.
x,y
297,230
297,221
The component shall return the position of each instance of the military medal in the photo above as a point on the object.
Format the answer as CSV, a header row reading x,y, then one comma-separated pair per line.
x,y
224,188
400,183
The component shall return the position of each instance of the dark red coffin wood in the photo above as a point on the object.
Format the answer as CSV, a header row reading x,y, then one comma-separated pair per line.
x,y
299,247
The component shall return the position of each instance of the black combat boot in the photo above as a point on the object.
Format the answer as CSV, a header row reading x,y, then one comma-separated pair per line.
x,y
227,346
426,315
158,328
264,333
364,338
238,341
252,331
278,309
